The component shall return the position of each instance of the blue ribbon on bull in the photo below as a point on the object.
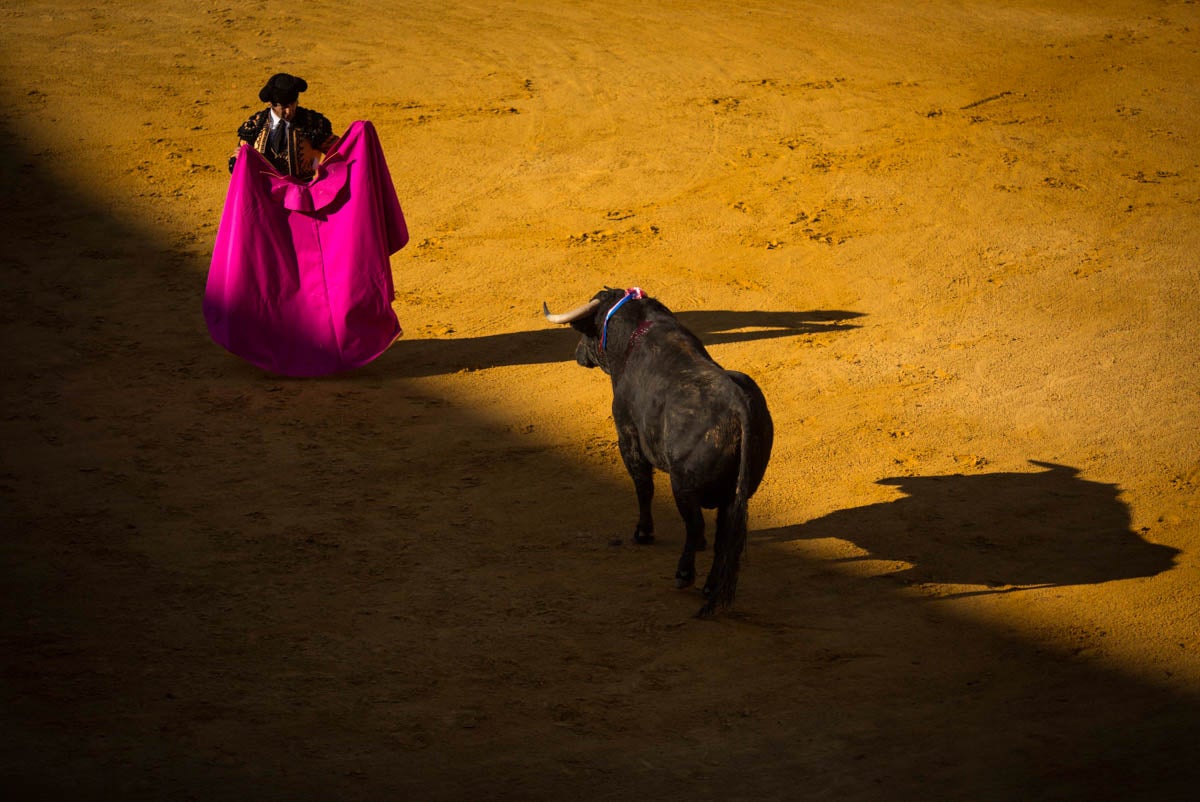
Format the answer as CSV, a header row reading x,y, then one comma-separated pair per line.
x,y
634,293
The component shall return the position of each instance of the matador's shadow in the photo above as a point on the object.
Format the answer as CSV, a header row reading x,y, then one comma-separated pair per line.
x,y
412,358
1006,531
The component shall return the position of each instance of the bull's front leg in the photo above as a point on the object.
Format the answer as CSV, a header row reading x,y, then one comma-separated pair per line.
x,y
642,473
688,503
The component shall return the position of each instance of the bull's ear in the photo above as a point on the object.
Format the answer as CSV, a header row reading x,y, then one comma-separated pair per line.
x,y
586,326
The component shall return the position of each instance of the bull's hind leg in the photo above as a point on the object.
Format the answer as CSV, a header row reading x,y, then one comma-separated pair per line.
x,y
688,503
720,544
642,473
727,552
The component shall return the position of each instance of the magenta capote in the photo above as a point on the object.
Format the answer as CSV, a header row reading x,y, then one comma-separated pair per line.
x,y
300,281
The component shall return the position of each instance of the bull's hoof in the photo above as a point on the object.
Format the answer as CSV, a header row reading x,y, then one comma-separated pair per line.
x,y
684,580
709,610
643,538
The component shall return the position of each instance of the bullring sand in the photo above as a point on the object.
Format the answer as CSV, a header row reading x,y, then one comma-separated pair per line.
x,y
955,243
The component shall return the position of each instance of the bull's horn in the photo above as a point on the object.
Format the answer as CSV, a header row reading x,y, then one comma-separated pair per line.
x,y
568,317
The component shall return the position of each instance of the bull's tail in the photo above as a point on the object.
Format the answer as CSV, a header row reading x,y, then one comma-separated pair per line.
x,y
731,539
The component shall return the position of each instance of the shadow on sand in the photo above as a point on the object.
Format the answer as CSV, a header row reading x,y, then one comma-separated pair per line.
x,y
224,587
1006,531
433,357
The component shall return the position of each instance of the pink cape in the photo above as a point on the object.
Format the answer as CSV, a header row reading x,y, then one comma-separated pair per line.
x,y
300,281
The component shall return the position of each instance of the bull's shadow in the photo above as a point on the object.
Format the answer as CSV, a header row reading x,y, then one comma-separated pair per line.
x,y
411,358
1004,531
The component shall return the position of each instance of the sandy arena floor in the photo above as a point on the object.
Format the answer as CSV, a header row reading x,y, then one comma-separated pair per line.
x,y
955,243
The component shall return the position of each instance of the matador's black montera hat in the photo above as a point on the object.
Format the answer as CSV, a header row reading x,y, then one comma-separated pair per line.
x,y
282,88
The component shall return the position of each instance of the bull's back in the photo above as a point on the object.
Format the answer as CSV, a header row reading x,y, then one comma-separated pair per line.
x,y
685,410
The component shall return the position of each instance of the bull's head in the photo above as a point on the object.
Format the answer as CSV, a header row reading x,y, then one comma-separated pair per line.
x,y
591,321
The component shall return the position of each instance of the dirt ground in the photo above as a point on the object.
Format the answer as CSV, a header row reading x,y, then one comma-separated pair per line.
x,y
955,243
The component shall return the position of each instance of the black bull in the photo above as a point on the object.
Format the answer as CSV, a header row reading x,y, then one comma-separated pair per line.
x,y
677,410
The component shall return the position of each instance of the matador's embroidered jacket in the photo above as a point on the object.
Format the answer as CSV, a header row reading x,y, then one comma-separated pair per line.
x,y
308,131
